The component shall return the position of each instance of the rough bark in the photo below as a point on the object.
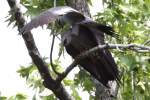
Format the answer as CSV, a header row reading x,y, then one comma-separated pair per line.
x,y
56,87
80,5
101,93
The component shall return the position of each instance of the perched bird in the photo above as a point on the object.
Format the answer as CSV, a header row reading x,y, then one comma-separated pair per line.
x,y
83,34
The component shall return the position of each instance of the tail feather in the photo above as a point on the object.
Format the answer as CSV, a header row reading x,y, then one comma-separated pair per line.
x,y
103,68
110,64
101,27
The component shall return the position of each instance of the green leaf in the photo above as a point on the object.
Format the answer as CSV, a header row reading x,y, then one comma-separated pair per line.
x,y
20,97
129,61
75,93
3,98
88,85
89,2
49,97
84,79
26,71
68,82
141,84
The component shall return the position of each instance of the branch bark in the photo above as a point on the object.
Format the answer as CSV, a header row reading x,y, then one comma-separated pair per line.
x,y
42,67
134,47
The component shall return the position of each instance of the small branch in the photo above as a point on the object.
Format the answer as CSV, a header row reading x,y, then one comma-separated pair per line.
x,y
134,47
67,71
52,46
51,54
146,42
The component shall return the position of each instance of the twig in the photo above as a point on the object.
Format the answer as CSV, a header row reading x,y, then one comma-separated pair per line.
x,y
146,42
66,72
51,54
134,47
51,51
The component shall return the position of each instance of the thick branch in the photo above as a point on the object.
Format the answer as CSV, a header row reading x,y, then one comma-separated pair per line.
x,y
49,82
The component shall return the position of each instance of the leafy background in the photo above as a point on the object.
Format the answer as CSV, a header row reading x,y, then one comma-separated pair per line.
x,y
130,19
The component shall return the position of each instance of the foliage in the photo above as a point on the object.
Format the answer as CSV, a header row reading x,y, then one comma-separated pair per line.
x,y
130,20
34,7
18,96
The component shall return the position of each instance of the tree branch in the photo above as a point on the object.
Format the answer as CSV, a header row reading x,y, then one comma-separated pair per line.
x,y
42,67
135,47
67,71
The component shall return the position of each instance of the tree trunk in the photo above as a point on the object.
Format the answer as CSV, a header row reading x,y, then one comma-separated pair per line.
x,y
101,93
80,5
57,88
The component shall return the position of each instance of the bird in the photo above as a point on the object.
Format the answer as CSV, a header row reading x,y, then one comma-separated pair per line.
x,y
83,34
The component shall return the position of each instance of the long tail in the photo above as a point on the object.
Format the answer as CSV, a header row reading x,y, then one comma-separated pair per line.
x,y
107,30
102,67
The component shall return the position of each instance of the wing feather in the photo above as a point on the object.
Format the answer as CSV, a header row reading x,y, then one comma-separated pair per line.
x,y
46,17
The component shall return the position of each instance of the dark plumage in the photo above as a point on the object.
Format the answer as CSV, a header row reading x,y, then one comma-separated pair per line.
x,y
101,64
83,34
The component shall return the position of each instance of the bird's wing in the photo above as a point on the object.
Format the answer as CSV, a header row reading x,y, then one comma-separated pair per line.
x,y
46,17
100,27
